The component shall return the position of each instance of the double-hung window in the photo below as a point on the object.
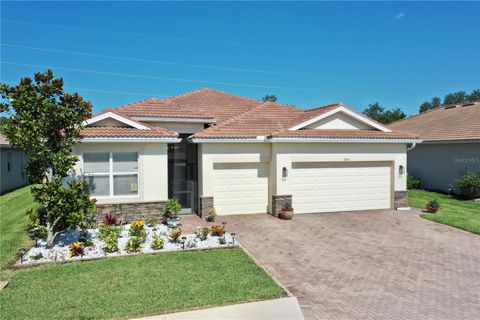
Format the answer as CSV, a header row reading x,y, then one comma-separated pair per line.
x,y
111,174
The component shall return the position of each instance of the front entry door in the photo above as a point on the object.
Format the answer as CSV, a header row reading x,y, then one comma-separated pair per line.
x,y
182,174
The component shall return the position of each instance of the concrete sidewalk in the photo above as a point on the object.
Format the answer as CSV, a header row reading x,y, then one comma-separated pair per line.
x,y
277,309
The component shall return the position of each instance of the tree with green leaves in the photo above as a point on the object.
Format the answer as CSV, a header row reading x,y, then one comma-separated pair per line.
x,y
378,113
45,122
451,98
3,122
270,98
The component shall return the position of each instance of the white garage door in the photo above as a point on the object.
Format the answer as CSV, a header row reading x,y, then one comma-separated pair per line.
x,y
240,188
330,187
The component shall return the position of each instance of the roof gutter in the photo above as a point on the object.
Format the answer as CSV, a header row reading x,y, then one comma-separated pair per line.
x,y
342,140
130,139
258,139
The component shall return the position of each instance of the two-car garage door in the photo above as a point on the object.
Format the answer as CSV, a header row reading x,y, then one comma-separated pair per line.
x,y
240,187
329,186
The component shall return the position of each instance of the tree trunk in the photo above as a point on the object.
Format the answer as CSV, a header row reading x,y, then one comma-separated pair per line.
x,y
50,236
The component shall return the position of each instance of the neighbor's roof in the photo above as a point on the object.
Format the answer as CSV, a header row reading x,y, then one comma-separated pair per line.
x,y
449,123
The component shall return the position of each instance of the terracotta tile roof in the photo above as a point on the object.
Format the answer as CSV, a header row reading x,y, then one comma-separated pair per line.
x,y
339,133
262,119
461,122
123,132
159,108
220,105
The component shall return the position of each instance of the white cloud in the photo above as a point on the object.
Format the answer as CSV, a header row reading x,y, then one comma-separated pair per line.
x,y
399,16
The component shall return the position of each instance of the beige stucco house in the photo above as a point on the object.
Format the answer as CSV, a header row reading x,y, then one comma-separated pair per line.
x,y
450,147
213,149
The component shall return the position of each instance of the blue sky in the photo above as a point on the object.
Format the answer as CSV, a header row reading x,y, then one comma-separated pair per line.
x,y
308,54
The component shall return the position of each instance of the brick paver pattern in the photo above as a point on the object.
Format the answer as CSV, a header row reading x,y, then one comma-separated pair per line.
x,y
368,265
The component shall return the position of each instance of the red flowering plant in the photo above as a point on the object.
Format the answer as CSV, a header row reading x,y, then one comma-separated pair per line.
x,y
217,230
110,219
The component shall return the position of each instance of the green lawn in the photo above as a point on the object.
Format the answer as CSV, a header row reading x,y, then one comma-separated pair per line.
x,y
13,223
136,286
453,212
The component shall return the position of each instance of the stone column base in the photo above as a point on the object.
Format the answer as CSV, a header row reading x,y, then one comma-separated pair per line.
x,y
279,202
400,199
132,211
205,204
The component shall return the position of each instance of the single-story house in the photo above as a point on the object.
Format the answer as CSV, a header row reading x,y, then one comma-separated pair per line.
x,y
212,149
450,147
13,162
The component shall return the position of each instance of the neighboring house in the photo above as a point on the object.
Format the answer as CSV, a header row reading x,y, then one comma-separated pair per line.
x,y
213,149
450,147
13,164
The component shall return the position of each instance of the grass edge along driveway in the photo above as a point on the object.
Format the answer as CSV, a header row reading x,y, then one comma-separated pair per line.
x,y
13,225
136,286
462,214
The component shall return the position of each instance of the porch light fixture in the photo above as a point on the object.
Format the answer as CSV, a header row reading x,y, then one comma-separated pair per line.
x,y
21,253
401,170
284,173
183,242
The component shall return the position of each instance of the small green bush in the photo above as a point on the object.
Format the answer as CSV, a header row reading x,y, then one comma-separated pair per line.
x,y
203,234
172,208
222,240
111,244
157,242
152,222
137,230
37,256
134,244
108,231
413,183
469,185
433,205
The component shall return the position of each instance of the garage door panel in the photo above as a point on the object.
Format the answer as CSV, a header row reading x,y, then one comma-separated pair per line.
x,y
240,188
329,187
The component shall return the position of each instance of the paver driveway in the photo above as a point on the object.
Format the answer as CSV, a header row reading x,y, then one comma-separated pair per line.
x,y
368,265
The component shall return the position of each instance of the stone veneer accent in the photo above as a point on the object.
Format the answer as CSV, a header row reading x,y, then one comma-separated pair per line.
x,y
205,204
279,202
132,211
400,199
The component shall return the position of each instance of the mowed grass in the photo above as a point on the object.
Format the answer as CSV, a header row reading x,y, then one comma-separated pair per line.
x,y
457,213
13,225
136,286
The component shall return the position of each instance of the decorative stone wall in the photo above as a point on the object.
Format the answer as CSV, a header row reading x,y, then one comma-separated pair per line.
x,y
279,202
132,211
400,199
205,204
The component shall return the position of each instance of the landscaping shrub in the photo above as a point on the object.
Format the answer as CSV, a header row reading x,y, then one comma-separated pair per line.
x,y
175,234
157,242
469,185
110,219
111,244
37,256
108,231
134,244
77,249
136,229
217,230
222,240
413,183
203,234
152,222
211,215
172,208
433,205
86,238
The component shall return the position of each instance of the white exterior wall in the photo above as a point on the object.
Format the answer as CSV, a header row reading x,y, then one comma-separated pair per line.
x,y
339,121
210,153
180,127
152,169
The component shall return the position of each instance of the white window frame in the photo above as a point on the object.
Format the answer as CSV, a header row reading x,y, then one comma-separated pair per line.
x,y
111,174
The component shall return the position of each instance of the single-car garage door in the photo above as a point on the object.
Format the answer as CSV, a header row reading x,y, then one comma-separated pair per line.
x,y
351,186
240,187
